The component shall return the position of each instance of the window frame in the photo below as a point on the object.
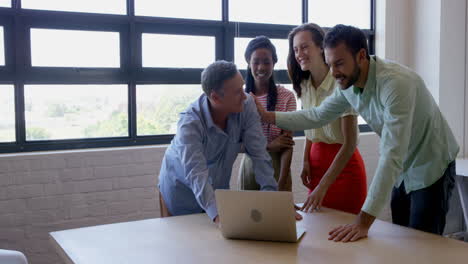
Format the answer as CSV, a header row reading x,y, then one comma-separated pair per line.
x,y
17,23
7,70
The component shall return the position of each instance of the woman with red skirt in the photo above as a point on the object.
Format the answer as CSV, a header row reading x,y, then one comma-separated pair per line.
x,y
333,168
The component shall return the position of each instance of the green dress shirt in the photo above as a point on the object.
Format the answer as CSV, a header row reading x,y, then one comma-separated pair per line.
x,y
416,142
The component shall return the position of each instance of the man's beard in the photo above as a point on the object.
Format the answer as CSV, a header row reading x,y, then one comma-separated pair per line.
x,y
352,79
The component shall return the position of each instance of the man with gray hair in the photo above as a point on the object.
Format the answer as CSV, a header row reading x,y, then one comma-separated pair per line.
x,y
209,136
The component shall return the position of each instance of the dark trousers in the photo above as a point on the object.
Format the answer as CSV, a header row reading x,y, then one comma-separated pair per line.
x,y
424,209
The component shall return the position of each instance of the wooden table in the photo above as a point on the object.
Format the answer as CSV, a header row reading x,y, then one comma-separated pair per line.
x,y
194,239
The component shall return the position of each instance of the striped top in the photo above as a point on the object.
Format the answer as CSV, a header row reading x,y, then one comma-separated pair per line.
x,y
286,102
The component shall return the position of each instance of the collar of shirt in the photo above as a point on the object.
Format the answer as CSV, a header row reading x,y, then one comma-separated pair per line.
x,y
326,83
205,111
210,124
357,90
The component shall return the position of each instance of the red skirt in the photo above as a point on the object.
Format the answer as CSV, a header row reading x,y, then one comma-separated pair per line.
x,y
349,190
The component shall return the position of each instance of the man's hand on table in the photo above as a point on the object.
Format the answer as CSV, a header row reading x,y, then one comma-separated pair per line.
x,y
353,232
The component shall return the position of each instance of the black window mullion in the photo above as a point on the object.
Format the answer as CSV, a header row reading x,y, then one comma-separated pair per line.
x,y
125,49
251,30
371,44
131,9
178,27
20,39
168,76
137,46
305,11
222,45
228,41
7,72
16,4
225,10
372,15
281,76
132,112
372,27
224,40
20,123
132,66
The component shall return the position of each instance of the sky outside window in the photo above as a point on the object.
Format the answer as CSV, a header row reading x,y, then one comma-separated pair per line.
x,y
7,113
75,111
177,51
266,11
2,47
88,6
74,48
192,9
328,13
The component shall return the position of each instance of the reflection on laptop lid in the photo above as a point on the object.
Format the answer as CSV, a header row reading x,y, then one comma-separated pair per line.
x,y
257,215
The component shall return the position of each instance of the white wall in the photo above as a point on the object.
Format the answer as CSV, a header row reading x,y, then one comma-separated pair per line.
x,y
452,67
429,36
392,30
424,48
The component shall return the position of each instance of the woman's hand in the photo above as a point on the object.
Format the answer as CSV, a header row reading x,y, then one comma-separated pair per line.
x,y
314,200
281,142
305,175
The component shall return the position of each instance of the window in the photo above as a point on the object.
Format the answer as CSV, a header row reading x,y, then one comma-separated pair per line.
x,y
75,111
2,47
200,9
89,6
266,11
7,112
177,51
331,12
281,46
111,73
159,106
67,48
5,3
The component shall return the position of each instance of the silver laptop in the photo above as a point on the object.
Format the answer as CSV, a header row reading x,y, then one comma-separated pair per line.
x,y
257,215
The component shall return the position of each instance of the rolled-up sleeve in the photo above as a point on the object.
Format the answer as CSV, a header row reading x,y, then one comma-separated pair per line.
x,y
314,117
398,102
255,145
190,150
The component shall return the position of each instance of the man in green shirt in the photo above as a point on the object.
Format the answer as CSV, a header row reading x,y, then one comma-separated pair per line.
x,y
417,147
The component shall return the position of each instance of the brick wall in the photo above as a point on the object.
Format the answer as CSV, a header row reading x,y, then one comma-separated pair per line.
x,y
44,192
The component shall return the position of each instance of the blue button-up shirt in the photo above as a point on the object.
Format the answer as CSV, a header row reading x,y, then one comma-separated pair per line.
x,y
416,143
201,155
